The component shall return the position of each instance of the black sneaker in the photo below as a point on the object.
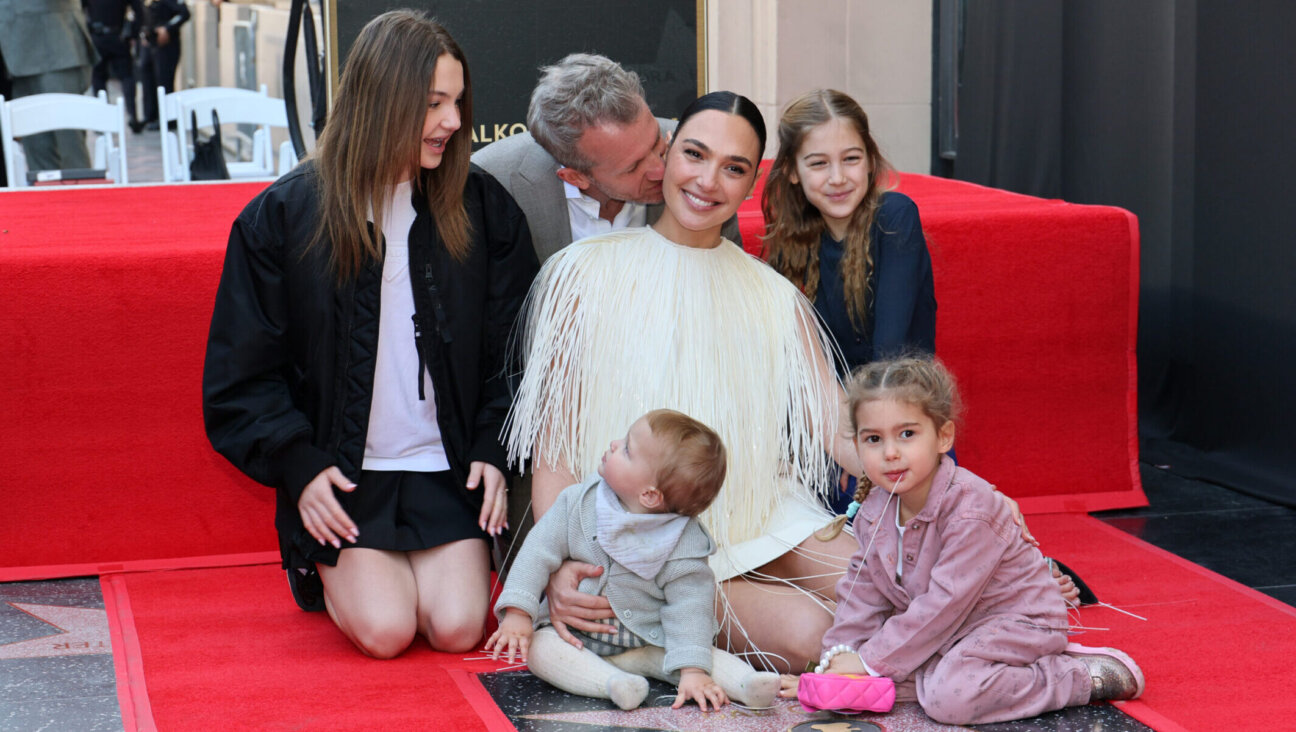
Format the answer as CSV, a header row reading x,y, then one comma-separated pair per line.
x,y
307,589
136,126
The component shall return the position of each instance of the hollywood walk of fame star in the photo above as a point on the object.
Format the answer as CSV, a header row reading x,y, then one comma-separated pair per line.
x,y
532,704
81,631
785,715
836,725
728,719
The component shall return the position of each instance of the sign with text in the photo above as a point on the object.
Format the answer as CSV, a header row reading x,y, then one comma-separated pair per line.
x,y
507,41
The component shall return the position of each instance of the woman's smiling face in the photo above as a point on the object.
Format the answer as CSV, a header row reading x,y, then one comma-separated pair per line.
x,y
710,169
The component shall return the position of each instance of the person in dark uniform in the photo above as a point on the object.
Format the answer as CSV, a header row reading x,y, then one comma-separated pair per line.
x,y
113,34
159,51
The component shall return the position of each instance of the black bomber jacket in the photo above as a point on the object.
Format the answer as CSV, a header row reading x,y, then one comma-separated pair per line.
x,y
289,370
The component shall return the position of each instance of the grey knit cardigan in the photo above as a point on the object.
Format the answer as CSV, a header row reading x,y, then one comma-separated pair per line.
x,y
674,610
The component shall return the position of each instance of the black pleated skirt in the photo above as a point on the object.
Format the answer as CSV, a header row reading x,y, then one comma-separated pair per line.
x,y
404,512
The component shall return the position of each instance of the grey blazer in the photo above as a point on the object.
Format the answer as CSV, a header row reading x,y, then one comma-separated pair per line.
x,y
39,36
531,175
674,610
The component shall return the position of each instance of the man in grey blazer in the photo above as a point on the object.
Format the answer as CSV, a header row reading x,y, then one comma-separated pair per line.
x,y
45,47
591,161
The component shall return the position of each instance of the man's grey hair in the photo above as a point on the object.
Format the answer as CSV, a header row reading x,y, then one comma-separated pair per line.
x,y
579,92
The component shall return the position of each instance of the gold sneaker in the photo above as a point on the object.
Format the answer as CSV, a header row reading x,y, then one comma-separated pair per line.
x,y
1115,675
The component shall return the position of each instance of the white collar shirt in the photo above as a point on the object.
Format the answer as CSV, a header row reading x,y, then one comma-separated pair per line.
x,y
583,212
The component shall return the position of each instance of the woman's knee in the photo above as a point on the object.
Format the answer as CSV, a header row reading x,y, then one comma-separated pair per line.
x,y
788,649
803,637
453,630
453,594
781,628
805,641
381,638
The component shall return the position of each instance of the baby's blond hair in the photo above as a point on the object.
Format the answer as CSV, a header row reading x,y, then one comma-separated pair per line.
x,y
693,461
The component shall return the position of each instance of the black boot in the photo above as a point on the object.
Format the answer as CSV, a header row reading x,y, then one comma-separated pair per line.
x,y
307,588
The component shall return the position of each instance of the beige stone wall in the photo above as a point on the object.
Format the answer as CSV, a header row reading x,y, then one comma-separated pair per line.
x,y
878,51
209,57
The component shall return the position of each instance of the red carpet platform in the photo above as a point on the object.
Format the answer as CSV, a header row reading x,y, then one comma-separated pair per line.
x,y
184,638
1037,316
107,295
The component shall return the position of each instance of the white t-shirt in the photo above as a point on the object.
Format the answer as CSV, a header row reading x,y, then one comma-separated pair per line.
x,y
403,432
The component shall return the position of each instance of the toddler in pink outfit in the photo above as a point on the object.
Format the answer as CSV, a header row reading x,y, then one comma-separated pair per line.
x,y
944,596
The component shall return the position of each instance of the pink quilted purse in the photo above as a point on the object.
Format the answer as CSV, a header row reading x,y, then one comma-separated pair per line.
x,y
848,693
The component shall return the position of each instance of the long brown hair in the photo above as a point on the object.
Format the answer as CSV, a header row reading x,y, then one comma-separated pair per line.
x,y
372,140
794,225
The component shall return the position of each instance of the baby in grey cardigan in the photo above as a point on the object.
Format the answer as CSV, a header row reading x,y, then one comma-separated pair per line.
x,y
637,520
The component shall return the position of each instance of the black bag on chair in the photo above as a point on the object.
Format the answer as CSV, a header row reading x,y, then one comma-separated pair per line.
x,y
209,157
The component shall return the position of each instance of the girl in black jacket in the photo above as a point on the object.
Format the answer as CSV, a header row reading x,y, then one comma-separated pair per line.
x,y
356,360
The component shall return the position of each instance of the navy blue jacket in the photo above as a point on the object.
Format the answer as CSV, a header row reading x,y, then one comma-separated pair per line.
x,y
902,296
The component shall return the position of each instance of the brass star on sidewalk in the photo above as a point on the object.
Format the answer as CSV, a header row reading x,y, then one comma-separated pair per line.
x,y
80,632
727,719
786,715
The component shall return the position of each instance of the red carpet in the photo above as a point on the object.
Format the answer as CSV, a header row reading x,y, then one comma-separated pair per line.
x,y
1217,655
107,296
227,648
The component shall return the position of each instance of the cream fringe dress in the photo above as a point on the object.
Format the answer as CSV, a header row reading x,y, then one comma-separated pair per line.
x,y
620,324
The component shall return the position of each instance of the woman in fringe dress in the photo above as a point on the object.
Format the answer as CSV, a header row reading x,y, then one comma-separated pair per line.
x,y
675,316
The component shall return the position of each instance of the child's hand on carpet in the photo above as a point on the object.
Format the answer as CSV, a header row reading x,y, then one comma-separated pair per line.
x,y
697,685
513,635
788,684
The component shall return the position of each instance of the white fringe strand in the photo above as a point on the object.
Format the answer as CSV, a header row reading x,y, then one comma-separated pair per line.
x,y
621,324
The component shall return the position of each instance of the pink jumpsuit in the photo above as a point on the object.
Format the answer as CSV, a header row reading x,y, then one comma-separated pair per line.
x,y
976,626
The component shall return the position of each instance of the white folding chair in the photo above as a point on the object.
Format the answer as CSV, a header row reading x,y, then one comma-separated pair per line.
x,y
263,112
175,155
38,113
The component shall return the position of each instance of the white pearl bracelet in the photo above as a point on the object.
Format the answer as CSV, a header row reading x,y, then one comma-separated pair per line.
x,y
828,656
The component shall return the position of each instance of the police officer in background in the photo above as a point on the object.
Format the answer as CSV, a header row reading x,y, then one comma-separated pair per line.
x,y
113,33
159,51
